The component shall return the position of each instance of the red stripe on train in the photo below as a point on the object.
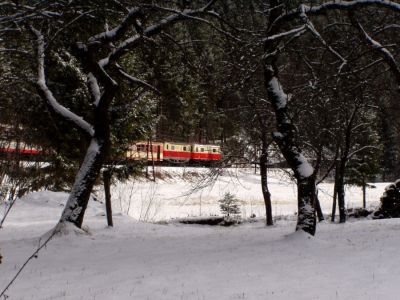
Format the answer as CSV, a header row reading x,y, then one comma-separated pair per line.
x,y
23,151
177,154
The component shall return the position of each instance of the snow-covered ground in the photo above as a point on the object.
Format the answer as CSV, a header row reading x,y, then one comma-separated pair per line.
x,y
137,260
173,195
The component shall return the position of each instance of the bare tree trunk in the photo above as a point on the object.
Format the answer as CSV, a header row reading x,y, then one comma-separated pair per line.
x,y
84,182
364,190
107,192
264,186
285,138
152,160
341,193
318,209
335,194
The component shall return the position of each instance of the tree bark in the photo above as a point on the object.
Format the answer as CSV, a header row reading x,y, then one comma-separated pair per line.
x,y
285,138
335,194
107,192
364,190
306,205
264,186
318,209
84,181
341,192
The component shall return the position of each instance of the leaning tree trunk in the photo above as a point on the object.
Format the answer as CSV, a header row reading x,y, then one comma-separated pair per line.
x,y
99,131
285,138
84,182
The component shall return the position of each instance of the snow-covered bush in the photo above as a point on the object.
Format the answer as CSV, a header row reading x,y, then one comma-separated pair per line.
x,y
390,202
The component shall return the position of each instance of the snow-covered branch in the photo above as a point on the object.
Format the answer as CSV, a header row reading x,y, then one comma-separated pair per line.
x,y
314,31
384,52
118,31
360,150
284,34
94,89
137,81
335,5
152,30
48,95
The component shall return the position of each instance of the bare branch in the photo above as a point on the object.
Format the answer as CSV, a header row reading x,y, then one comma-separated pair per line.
x,y
311,28
360,150
152,30
34,255
334,5
284,34
137,81
384,52
117,32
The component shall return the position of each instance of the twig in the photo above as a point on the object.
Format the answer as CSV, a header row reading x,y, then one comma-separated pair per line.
x,y
6,213
34,255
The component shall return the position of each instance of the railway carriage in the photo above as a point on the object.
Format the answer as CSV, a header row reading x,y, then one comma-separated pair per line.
x,y
146,151
202,152
14,147
177,152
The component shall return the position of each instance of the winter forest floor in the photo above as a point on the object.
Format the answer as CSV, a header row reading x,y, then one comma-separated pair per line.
x,y
138,260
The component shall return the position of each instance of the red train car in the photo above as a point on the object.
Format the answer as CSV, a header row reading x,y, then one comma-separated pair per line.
x,y
174,152
206,152
177,152
13,147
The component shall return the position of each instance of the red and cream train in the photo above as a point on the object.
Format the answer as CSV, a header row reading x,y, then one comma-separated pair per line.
x,y
151,151
174,152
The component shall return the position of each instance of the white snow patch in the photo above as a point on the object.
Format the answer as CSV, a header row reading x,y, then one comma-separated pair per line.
x,y
304,168
276,88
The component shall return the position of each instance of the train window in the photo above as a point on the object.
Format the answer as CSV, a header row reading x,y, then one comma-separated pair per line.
x,y
202,150
184,148
167,146
197,149
172,147
214,150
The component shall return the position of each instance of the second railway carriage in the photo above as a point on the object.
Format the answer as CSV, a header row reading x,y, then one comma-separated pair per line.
x,y
177,152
